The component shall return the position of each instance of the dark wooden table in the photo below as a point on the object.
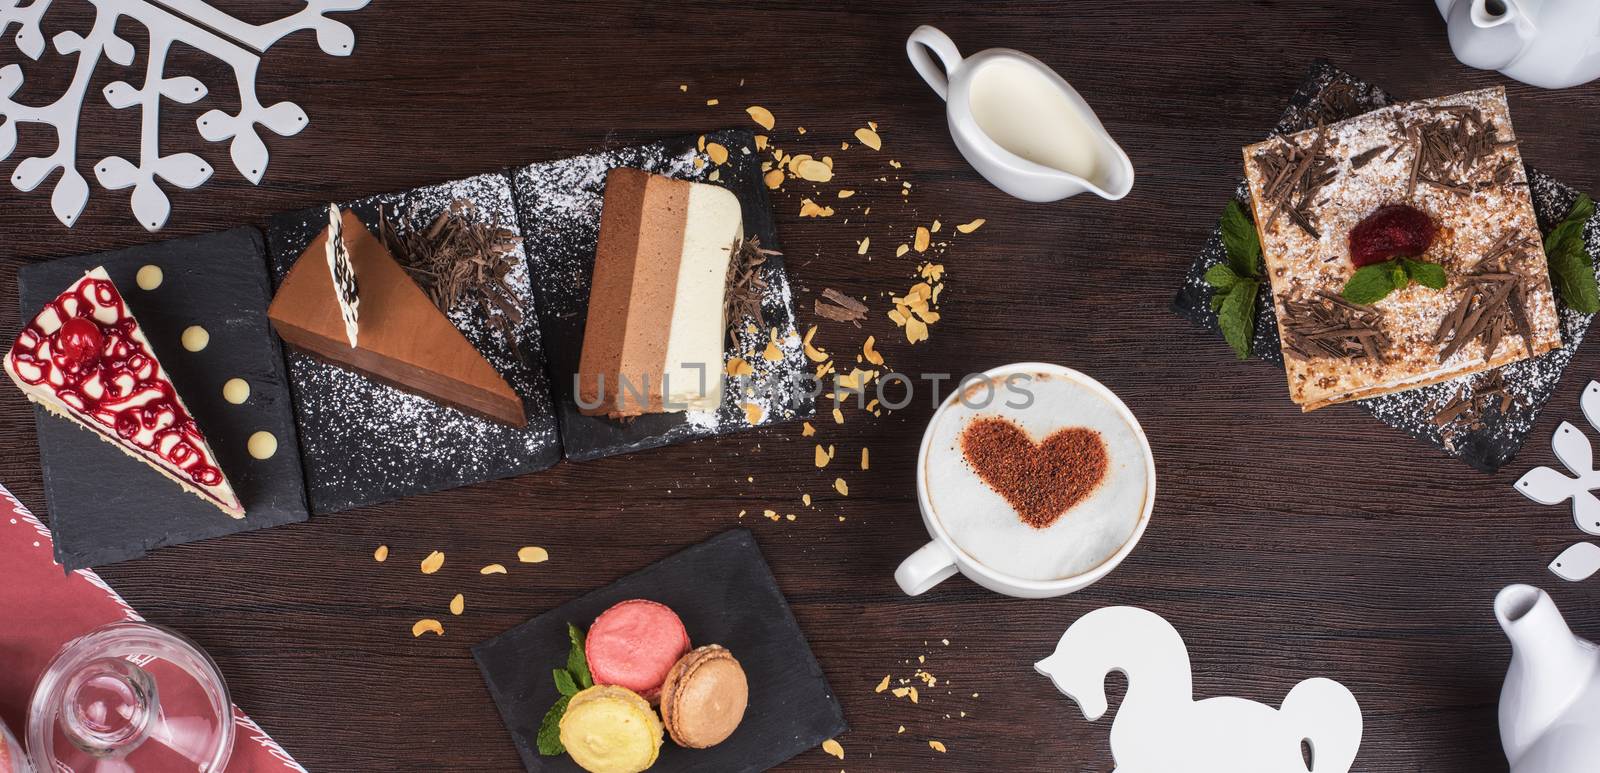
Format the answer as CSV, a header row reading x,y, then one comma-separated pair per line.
x,y
1283,546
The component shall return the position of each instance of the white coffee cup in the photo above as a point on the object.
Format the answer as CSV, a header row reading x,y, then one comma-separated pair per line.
x,y
1041,136
942,558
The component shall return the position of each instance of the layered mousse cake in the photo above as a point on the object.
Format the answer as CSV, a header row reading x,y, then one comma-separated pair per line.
x,y
653,337
401,339
1402,248
85,358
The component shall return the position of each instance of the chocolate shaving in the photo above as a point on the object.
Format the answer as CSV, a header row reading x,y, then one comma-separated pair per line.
x,y
1448,149
1491,391
1365,157
746,284
842,308
1295,176
1484,313
1327,325
457,258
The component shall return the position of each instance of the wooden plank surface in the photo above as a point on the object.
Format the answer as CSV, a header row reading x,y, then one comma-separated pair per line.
x,y
1283,546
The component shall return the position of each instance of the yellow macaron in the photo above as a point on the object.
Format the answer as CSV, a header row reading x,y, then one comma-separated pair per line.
x,y
610,729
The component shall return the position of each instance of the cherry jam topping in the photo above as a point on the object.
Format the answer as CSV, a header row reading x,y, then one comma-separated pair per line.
x,y
108,377
1392,231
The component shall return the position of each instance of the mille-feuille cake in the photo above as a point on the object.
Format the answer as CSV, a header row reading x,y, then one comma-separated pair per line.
x,y
1441,177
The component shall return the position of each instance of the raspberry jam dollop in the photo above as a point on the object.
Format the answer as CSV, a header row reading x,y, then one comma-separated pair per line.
x,y
1392,231
79,343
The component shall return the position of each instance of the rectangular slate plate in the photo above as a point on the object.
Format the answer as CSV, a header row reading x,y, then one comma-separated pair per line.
x,y
559,203
107,507
1330,94
725,593
367,442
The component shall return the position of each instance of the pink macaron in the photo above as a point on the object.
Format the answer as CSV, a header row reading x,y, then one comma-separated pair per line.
x,y
634,644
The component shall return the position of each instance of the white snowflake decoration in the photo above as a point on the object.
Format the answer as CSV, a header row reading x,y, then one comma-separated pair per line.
x,y
192,22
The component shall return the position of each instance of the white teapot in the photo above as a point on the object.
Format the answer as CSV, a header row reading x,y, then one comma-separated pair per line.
x,y
1550,704
1552,44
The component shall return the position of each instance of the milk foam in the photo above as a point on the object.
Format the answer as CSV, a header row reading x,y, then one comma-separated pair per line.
x,y
985,526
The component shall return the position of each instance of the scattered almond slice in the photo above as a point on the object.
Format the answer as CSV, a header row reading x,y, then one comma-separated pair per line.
x,y
458,604
753,413
737,367
807,430
822,457
805,499
772,352
832,747
863,458
838,416
861,249
900,692
533,554
916,330
871,353
813,170
683,87
700,143
922,240
901,250
432,563
716,174
761,142
427,625
761,116
913,692
718,153
773,179
869,138
840,486
381,554
967,228
845,193
772,515
812,353
936,746
935,227
932,272
712,102
809,208
493,569
901,730
883,685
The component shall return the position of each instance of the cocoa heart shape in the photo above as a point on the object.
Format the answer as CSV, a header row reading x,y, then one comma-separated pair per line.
x,y
1041,481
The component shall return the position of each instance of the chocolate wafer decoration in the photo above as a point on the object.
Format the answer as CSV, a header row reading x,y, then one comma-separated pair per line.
x,y
344,275
1327,325
1295,176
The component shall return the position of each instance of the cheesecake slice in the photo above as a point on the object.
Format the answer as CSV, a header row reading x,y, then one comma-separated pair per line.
x,y
85,358
652,342
404,340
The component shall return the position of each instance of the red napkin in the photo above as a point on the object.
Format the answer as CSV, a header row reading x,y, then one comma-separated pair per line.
x,y
44,609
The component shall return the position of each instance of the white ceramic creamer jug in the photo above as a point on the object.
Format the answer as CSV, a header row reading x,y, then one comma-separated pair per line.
x,y
1550,704
1019,124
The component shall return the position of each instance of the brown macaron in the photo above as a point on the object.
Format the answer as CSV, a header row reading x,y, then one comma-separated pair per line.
x,y
704,697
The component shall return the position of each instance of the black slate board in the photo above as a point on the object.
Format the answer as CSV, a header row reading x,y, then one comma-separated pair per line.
x,y
1500,435
725,593
559,205
366,442
107,507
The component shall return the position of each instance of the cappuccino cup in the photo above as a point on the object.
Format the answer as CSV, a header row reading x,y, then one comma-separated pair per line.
x,y
1034,480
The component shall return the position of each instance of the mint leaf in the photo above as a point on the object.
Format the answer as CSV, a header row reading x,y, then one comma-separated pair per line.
x,y
1221,277
1571,268
576,662
1240,240
564,682
550,729
1237,317
1372,283
1429,275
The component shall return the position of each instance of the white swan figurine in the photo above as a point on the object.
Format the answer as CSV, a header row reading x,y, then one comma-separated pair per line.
x,y
1161,728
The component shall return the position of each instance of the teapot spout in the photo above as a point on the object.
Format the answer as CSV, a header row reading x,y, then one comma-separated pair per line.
x,y
1486,34
1550,667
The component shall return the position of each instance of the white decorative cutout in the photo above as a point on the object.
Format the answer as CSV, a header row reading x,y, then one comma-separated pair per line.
x,y
344,275
185,170
1577,563
1161,728
1548,486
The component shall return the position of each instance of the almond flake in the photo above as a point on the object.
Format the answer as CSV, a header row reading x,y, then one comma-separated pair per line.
x,y
901,730
813,353
800,129
883,685
790,516
716,174
753,413
683,87
761,116
863,458
935,227
771,515
773,179
738,367
807,430
700,143
458,604
932,272
761,142
936,746
901,250
718,153
493,569
898,316
533,555
916,330
861,249
845,193
840,486
815,171
822,457
967,228
809,208
832,747
805,499
900,692
913,692
772,352
381,554
432,563
838,416
922,239
712,102
427,625
869,138
870,353
894,163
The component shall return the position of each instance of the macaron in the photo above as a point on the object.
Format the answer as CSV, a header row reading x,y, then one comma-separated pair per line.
x,y
634,644
704,697
610,729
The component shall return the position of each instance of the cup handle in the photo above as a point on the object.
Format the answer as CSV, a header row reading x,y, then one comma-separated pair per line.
x,y
930,565
927,38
